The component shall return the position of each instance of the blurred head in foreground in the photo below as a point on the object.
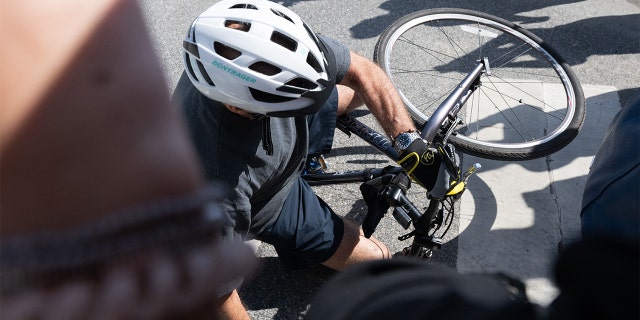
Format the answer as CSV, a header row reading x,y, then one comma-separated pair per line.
x,y
105,214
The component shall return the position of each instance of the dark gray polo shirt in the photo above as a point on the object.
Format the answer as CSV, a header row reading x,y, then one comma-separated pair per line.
x,y
231,149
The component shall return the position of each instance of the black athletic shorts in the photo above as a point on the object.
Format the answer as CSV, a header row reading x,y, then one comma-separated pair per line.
x,y
307,232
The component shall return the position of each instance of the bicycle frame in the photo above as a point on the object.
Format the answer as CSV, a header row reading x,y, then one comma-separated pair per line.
x,y
350,125
437,130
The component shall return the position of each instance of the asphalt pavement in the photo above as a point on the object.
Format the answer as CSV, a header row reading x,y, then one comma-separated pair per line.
x,y
516,216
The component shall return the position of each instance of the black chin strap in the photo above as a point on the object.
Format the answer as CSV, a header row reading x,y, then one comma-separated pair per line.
x,y
267,144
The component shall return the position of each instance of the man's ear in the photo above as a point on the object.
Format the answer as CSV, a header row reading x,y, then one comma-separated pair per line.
x,y
239,111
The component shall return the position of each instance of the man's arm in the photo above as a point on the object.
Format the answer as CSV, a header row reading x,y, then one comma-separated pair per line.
x,y
368,84
365,82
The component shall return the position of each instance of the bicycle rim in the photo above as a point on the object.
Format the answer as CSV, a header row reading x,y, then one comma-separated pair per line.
x,y
529,105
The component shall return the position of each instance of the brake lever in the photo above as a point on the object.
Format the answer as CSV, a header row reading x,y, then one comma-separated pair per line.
x,y
458,186
404,210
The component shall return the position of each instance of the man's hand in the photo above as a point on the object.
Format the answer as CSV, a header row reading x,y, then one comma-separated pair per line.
x,y
421,162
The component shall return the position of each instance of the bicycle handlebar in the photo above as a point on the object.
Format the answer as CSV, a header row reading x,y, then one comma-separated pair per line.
x,y
379,188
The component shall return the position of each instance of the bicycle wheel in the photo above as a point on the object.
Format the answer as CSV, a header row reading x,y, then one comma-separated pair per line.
x,y
528,106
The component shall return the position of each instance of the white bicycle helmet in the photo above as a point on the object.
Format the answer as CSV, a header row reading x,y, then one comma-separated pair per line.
x,y
258,56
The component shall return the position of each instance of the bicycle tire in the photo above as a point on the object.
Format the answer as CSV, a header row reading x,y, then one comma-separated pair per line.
x,y
530,106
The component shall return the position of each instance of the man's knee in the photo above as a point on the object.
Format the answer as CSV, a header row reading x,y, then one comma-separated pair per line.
x,y
355,248
368,248
378,247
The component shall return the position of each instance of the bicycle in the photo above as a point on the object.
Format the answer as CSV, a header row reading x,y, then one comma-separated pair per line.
x,y
496,91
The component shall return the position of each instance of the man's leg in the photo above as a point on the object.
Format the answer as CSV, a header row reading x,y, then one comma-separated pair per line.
x,y
308,232
231,308
355,248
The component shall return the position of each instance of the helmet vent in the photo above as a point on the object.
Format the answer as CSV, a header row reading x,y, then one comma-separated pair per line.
x,y
268,97
284,41
302,83
190,67
226,51
204,73
313,62
298,86
191,47
280,14
237,25
265,68
244,6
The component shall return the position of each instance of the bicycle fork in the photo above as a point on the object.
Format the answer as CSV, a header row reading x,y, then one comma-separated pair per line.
x,y
425,225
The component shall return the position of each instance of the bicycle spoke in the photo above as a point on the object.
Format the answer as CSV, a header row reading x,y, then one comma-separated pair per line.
x,y
515,115
520,100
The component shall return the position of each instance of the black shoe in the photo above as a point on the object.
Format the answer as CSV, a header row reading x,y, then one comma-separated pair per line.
x,y
315,165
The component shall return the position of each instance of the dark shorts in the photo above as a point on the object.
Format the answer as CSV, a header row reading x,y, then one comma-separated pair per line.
x,y
307,232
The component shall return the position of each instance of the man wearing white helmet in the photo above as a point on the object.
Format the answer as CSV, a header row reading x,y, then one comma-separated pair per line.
x,y
260,92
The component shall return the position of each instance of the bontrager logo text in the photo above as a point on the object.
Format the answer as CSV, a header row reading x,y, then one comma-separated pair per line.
x,y
233,72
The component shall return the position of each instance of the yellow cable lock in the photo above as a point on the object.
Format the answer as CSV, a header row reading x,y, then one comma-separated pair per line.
x,y
415,165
